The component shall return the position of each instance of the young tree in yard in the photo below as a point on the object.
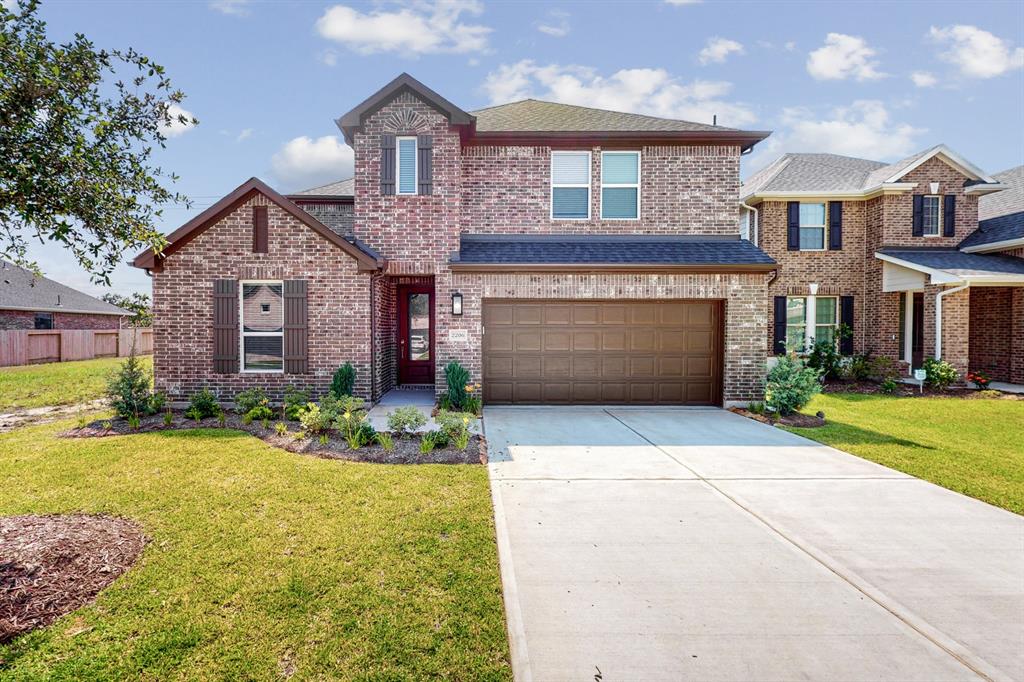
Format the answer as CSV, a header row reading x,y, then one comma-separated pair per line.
x,y
78,127
139,304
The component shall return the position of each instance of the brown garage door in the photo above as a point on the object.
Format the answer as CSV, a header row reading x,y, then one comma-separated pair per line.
x,y
611,352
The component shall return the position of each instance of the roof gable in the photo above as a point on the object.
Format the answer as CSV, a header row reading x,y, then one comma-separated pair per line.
x,y
894,172
22,289
193,228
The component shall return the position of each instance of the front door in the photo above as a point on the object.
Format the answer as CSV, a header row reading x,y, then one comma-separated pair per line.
x,y
917,334
415,334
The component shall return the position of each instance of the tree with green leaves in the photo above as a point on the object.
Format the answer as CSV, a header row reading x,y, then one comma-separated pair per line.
x,y
138,304
78,128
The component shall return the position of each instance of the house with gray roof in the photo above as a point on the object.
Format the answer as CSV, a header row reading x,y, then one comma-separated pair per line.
x,y
29,301
921,258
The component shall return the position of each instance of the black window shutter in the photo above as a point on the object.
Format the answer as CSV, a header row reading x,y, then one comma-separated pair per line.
x,y
296,327
225,326
918,215
259,229
835,225
846,318
779,335
425,172
949,216
387,164
793,226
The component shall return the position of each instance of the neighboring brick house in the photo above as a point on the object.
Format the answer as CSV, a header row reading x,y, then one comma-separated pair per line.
x,y
28,301
883,247
562,254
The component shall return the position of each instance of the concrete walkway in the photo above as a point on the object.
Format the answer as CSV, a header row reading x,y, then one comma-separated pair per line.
x,y
672,544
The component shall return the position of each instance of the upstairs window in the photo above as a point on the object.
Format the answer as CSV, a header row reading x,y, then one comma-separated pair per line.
x,y
262,324
812,227
407,165
620,185
931,217
570,185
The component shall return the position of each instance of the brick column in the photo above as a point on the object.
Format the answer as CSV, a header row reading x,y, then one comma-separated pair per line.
x,y
1017,336
956,326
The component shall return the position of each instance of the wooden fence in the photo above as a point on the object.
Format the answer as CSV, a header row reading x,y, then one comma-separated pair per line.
x,y
32,346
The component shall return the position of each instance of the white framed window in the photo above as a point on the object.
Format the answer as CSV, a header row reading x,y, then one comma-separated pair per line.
x,y
931,215
812,227
620,185
261,321
570,185
407,166
810,319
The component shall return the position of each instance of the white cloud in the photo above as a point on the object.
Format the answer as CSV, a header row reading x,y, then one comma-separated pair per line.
x,y
329,57
644,91
176,127
718,50
559,27
924,79
244,135
976,52
420,28
683,2
790,46
304,162
10,5
238,8
842,57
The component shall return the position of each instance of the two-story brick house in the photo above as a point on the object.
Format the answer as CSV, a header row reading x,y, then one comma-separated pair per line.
x,y
896,252
562,254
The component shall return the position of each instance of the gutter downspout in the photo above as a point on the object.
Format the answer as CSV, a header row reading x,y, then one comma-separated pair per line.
x,y
757,221
938,316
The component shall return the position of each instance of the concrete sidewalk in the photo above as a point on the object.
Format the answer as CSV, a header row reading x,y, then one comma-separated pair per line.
x,y
665,543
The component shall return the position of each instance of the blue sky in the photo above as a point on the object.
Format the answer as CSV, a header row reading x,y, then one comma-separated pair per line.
x,y
267,79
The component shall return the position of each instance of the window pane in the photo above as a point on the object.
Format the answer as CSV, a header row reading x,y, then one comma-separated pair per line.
x,y
618,202
812,237
44,321
570,168
931,215
795,311
407,166
569,202
419,326
263,352
619,168
254,298
795,338
826,311
812,214
825,333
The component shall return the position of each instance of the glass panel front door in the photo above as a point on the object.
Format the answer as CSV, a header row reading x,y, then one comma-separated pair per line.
x,y
419,327
416,334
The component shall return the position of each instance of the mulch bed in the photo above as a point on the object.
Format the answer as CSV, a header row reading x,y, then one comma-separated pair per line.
x,y
406,451
52,565
912,391
804,421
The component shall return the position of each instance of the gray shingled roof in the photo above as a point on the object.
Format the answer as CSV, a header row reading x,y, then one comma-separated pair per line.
x,y
603,249
812,172
890,170
1001,214
339,188
958,263
532,115
20,289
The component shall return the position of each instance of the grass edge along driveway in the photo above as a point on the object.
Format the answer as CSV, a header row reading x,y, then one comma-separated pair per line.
x,y
975,447
263,563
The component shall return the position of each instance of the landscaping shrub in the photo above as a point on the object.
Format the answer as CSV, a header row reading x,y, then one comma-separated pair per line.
x,y
979,378
826,359
312,419
790,385
939,374
386,442
883,369
457,378
428,442
889,386
351,420
344,381
405,420
859,367
294,400
202,405
250,398
129,390
455,427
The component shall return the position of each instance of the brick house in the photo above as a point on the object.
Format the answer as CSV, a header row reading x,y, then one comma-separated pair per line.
x,y
28,301
897,252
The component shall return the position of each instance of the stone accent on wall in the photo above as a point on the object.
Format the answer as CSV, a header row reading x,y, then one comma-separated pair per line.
x,y
26,319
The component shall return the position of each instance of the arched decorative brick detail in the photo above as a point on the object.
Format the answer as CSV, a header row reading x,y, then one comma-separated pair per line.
x,y
404,121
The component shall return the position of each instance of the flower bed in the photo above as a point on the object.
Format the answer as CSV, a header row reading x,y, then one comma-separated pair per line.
x,y
796,419
912,391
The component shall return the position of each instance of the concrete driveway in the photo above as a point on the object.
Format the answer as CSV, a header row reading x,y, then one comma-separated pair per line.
x,y
674,543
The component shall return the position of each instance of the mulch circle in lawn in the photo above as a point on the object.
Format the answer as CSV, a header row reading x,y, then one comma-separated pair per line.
x,y
52,565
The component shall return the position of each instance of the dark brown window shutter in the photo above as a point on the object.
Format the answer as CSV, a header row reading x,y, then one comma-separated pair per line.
x,y
846,318
918,230
779,336
949,216
296,327
835,225
425,172
793,226
259,229
387,164
225,326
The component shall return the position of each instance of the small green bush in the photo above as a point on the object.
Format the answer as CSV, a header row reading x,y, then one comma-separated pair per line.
x,y
386,442
756,406
825,358
405,420
281,428
250,399
454,425
312,419
883,369
129,390
939,374
439,438
260,413
428,442
168,418
790,385
295,400
859,367
344,381
134,422
350,421
457,378
889,386
202,405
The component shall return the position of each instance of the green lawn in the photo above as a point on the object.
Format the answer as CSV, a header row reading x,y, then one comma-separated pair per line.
x,y
261,561
975,447
56,383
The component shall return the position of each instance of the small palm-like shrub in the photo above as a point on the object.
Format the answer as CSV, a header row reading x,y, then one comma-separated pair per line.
x,y
457,378
386,442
